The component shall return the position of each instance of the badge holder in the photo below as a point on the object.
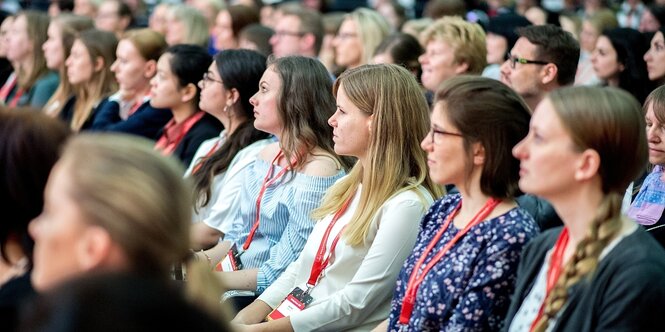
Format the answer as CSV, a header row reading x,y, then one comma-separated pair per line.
x,y
296,301
231,261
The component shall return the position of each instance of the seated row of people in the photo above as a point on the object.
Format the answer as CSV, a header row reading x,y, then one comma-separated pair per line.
x,y
341,271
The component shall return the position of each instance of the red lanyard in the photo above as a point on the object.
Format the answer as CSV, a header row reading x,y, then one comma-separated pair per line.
x,y
266,183
175,132
319,262
417,278
200,163
556,262
7,88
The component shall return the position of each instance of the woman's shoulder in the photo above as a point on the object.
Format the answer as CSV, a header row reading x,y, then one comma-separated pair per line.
x,y
321,164
269,152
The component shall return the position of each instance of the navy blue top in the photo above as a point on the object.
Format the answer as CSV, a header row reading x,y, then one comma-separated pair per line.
x,y
146,121
469,288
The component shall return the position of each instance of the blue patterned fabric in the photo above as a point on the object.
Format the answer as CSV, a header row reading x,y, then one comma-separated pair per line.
x,y
285,223
469,288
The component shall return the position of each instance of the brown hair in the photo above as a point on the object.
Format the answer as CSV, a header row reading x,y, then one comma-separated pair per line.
x,y
36,26
554,45
242,16
488,112
656,99
609,121
150,44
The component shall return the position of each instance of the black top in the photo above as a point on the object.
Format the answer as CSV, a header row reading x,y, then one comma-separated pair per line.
x,y
207,127
12,295
625,293
146,121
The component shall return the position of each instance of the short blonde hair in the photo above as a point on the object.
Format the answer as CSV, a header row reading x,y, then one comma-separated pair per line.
x,y
468,40
195,24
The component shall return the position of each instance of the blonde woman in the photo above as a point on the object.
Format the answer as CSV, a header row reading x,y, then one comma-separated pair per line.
x,y
600,271
186,25
452,47
62,31
358,36
89,72
373,211
128,110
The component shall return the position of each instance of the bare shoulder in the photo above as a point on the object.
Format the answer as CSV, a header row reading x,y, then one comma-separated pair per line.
x,y
320,163
269,152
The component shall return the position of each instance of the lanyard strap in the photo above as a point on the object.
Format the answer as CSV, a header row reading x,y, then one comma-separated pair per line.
x,y
267,181
417,278
319,262
554,271
7,87
202,160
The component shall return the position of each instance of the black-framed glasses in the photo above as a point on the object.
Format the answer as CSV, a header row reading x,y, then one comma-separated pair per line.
x,y
207,77
434,132
513,60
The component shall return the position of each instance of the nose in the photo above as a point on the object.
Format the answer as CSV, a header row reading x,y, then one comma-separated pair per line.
x,y
153,81
519,149
273,40
253,101
33,228
426,143
332,121
114,66
201,84
652,134
422,59
647,56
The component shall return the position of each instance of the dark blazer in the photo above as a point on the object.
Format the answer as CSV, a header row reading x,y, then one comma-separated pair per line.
x,y
625,293
147,121
206,128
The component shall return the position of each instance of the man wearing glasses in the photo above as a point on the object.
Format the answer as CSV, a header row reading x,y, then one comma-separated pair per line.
x,y
544,58
298,32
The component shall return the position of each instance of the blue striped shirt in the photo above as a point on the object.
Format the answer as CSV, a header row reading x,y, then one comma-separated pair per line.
x,y
285,222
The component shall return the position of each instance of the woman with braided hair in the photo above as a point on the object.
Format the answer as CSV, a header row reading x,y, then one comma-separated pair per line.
x,y
600,271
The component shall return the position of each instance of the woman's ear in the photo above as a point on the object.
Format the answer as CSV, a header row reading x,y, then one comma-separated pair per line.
x,y
478,154
94,247
150,69
99,64
188,93
588,165
232,97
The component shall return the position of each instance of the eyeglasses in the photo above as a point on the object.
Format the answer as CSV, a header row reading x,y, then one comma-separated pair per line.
x,y
513,60
433,132
288,33
207,77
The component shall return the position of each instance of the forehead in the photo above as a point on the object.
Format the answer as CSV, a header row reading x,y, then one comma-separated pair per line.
x,y
524,48
271,76
288,21
348,25
658,37
163,63
439,116
438,45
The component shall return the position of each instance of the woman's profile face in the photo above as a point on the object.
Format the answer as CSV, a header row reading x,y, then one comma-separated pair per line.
x,y
130,68
54,52
447,158
164,89
605,60
547,155
80,67
266,117
348,46
19,44
655,57
214,96
655,137
59,233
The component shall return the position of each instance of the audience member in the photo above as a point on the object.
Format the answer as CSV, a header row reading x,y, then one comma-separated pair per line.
x,y
218,165
592,27
256,37
114,16
32,83
62,31
89,72
655,58
298,32
86,7
129,110
543,59
186,25
374,211
400,49
229,22
462,270
175,87
31,143
590,274
652,19
158,18
6,67
617,60
358,36
500,39
331,23
452,47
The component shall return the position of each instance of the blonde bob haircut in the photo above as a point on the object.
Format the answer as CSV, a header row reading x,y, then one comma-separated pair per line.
x,y
392,96
371,28
467,39
194,22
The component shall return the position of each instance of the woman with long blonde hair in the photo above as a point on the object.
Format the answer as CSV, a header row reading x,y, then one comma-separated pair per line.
x,y
373,211
599,271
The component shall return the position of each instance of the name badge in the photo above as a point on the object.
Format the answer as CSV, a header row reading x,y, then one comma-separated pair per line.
x,y
231,262
296,301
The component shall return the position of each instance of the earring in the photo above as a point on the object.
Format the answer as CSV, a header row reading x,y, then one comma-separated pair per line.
x,y
226,109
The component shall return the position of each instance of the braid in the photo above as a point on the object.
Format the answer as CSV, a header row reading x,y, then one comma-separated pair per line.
x,y
604,227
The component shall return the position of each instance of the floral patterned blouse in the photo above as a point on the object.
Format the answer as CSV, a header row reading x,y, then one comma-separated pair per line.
x,y
469,288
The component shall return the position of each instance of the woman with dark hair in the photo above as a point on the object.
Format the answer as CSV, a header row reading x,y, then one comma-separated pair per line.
x,y
462,270
617,59
31,143
288,178
600,271
400,49
175,87
655,57
218,165
230,22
